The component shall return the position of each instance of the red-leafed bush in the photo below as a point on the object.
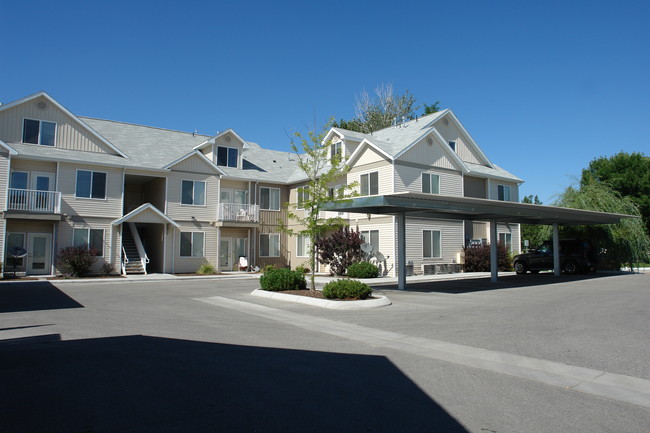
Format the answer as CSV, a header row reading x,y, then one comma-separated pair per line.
x,y
340,249
477,258
77,260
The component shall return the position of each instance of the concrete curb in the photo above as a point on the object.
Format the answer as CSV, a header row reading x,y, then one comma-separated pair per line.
x,y
382,301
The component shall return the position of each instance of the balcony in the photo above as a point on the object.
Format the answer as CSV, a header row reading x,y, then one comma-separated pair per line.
x,y
238,213
30,200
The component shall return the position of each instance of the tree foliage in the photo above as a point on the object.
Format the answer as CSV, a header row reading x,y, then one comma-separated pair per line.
x,y
626,173
340,249
534,233
477,258
77,260
322,173
625,242
380,111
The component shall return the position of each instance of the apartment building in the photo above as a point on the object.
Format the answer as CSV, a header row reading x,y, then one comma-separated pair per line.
x,y
155,200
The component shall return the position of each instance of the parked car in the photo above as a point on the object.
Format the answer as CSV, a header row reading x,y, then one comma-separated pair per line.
x,y
575,256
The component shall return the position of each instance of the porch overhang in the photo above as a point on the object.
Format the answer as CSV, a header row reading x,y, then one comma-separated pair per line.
x,y
147,213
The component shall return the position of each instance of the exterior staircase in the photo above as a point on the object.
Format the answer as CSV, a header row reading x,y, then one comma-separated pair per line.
x,y
134,266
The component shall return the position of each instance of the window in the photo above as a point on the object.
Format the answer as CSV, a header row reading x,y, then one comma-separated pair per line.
x,y
89,238
192,244
303,195
91,184
503,192
18,180
39,132
269,245
14,240
227,156
303,243
371,237
430,183
193,192
431,247
269,198
452,144
337,150
369,183
506,239
240,247
241,197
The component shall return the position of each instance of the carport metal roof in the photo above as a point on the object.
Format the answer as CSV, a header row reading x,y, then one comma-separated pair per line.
x,y
477,209
474,209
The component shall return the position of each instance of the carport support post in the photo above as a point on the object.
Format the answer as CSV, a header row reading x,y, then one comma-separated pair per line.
x,y
401,251
556,250
494,255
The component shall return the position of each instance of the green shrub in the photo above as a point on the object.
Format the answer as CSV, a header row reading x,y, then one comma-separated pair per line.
x,y
346,289
303,269
275,280
206,269
267,268
363,270
77,260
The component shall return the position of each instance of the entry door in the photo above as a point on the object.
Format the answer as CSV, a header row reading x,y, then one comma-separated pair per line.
x,y
42,182
39,257
225,257
225,196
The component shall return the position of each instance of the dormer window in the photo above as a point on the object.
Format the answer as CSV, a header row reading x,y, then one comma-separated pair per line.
x,y
39,132
227,156
452,144
337,150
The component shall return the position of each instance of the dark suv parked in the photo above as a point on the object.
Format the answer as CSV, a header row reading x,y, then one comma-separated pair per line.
x,y
575,256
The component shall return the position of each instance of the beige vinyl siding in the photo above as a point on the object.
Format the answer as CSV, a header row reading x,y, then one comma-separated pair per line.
x,y
69,133
430,155
385,175
194,164
451,133
451,240
70,205
494,189
283,259
387,237
369,156
513,229
191,264
181,212
229,140
31,165
65,239
4,180
475,187
270,217
409,178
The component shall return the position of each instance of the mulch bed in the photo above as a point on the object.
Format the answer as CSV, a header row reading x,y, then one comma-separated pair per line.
x,y
318,294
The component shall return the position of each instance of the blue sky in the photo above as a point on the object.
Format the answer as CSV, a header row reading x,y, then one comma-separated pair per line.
x,y
543,87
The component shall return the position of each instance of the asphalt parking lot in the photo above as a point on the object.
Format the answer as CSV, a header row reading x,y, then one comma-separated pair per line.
x,y
533,353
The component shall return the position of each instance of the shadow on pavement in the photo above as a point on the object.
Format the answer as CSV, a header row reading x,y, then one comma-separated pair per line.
x,y
149,384
37,295
504,282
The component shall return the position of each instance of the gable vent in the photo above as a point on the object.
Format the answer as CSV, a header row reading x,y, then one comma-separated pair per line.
x,y
42,105
430,141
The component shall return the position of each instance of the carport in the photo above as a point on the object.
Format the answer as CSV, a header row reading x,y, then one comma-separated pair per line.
x,y
431,206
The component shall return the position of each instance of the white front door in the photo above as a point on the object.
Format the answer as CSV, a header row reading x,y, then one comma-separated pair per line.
x,y
39,253
225,260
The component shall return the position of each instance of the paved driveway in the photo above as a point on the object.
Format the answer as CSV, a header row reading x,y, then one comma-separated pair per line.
x,y
527,354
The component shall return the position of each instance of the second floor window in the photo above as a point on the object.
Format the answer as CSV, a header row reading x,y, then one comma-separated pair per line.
x,y
91,184
452,144
430,183
227,156
39,132
337,150
193,192
369,183
503,192
269,198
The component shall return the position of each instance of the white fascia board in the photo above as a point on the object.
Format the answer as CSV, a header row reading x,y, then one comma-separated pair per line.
x,y
86,162
361,148
213,139
495,177
66,111
141,209
341,133
200,155
470,139
10,149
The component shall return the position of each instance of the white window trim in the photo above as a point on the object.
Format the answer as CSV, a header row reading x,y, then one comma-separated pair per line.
x,y
191,245
279,198
205,193
216,155
88,229
279,244
306,250
56,129
432,249
422,186
337,145
91,184
369,188
301,191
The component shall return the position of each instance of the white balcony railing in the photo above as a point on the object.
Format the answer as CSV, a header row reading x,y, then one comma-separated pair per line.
x,y
238,212
31,200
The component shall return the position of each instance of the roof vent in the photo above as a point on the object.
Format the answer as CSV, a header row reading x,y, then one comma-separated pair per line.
x,y
42,105
430,141
228,138
446,121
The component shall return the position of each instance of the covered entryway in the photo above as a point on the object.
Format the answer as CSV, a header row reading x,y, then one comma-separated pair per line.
x,y
431,206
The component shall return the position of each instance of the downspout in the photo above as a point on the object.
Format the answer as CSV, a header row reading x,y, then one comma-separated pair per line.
x,y
55,231
254,237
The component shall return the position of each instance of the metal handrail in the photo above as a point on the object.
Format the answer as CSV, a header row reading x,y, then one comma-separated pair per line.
x,y
125,260
33,200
